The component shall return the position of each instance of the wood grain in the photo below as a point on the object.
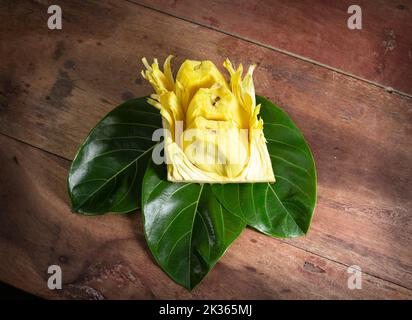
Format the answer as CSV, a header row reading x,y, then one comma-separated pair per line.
x,y
107,257
55,89
380,52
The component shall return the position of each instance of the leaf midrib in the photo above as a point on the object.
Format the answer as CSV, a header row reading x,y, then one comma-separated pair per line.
x,y
286,210
191,234
111,178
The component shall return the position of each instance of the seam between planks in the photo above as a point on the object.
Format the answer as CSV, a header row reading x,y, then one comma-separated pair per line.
x,y
276,239
273,48
35,147
344,264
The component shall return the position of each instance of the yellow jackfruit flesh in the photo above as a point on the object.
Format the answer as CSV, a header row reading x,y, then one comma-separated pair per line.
x,y
216,103
216,146
194,75
222,139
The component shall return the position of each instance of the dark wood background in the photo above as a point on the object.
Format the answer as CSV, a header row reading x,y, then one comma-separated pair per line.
x,y
350,91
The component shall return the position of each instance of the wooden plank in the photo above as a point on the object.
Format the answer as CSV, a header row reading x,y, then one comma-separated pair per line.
x,y
380,52
56,89
107,257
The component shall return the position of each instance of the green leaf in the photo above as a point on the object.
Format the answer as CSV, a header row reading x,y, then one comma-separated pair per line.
x,y
284,208
186,228
107,172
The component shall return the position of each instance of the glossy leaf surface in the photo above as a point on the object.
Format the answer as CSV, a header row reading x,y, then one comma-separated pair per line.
x,y
106,174
186,228
284,208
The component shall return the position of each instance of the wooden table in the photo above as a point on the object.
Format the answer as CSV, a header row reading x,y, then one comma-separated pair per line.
x,y
350,91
